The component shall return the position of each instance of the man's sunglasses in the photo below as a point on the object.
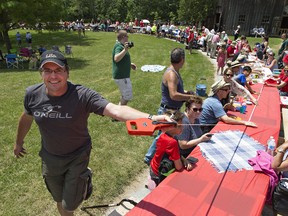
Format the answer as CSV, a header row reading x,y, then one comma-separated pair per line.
x,y
229,75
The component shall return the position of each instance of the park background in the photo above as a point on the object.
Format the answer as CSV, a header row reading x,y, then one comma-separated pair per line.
x,y
116,157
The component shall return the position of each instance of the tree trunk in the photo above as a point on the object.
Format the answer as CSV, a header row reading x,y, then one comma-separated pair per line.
x,y
6,38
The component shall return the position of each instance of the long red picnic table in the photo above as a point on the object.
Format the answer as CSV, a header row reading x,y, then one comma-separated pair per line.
x,y
204,191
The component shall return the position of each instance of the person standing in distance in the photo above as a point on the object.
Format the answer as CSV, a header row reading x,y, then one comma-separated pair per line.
x,y
121,67
61,110
173,93
18,39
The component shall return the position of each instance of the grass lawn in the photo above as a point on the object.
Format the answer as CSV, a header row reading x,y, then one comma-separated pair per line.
x,y
116,157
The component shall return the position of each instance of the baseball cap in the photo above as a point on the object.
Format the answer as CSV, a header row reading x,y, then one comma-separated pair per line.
x,y
54,57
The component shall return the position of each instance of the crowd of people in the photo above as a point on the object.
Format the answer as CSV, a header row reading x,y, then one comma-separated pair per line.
x,y
61,108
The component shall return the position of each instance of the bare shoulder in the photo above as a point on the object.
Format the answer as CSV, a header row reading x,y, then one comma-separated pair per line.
x,y
169,75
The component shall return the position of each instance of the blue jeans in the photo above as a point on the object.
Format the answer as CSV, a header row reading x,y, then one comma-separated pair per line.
x,y
283,93
152,149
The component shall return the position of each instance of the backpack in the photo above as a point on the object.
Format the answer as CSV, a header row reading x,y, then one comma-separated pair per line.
x,y
280,197
166,167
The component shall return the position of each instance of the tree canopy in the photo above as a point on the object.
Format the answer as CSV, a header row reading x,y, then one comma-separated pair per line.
x,y
30,12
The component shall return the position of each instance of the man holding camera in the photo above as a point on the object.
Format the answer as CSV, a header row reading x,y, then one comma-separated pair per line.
x,y
121,66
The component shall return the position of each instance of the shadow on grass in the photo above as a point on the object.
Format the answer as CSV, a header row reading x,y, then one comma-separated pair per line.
x,y
74,63
57,38
60,38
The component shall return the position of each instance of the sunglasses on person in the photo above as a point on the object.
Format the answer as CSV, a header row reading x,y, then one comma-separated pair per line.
x,y
286,70
229,75
197,110
48,71
225,90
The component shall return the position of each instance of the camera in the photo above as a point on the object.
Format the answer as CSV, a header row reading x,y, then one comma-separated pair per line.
x,y
130,44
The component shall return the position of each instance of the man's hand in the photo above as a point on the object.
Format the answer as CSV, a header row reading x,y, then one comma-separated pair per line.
x,y
133,66
250,124
19,151
126,46
161,118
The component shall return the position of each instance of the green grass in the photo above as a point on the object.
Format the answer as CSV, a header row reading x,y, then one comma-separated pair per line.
x,y
116,157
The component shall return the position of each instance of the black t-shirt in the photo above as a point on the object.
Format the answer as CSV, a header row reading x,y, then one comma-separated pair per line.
x,y
63,120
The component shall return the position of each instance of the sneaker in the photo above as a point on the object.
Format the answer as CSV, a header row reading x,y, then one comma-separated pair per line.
x,y
146,162
89,188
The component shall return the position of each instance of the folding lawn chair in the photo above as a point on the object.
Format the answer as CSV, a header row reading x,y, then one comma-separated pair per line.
x,y
11,61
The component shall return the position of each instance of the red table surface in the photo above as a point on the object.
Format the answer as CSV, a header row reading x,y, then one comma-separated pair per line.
x,y
204,191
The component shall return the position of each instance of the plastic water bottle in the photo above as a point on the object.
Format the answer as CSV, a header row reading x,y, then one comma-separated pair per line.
x,y
271,145
243,108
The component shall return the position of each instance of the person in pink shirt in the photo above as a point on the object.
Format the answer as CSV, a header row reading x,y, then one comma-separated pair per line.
x,y
221,58
215,41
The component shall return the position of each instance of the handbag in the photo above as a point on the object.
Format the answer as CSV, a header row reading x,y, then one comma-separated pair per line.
x,y
280,197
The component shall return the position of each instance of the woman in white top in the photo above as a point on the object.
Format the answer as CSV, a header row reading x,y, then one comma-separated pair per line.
x,y
271,62
236,88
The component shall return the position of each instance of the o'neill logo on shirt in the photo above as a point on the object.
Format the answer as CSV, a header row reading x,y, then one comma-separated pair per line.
x,y
51,56
51,112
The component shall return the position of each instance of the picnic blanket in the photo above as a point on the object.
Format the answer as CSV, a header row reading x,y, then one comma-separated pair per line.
x,y
152,68
230,150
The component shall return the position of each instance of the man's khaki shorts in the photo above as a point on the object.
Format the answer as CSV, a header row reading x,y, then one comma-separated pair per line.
x,y
125,88
66,177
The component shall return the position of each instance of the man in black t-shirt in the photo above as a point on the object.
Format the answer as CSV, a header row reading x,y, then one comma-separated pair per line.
x,y
61,110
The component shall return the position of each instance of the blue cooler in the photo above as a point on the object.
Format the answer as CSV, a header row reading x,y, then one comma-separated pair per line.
x,y
201,90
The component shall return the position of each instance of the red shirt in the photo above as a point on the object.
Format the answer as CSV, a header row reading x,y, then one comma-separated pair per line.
x,y
165,144
191,37
284,78
230,51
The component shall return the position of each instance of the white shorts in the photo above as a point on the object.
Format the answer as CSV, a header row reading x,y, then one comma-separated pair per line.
x,y
125,88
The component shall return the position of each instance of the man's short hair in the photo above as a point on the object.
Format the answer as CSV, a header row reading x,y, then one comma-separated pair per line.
x,y
177,55
121,34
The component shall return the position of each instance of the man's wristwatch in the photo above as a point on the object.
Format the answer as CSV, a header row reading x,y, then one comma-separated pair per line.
x,y
150,116
280,150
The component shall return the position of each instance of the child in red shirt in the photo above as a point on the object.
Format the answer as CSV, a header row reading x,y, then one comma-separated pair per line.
x,y
167,148
190,40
